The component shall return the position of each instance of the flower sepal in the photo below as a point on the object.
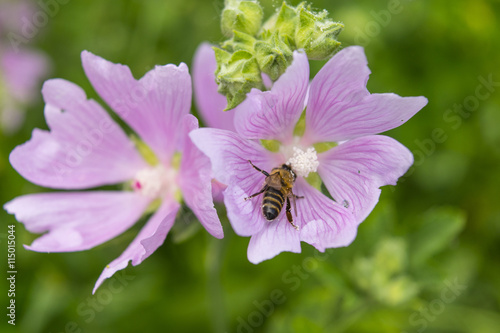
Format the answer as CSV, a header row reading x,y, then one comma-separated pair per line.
x,y
241,15
236,74
311,31
274,54
316,34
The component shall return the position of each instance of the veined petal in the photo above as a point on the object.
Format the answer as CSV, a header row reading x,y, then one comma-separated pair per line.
x,y
354,171
269,238
275,237
209,102
322,223
195,181
84,148
151,236
76,221
341,108
245,215
274,114
328,224
152,106
229,154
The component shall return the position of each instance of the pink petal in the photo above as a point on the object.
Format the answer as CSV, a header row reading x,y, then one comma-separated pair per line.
x,y
76,221
229,154
273,114
322,223
328,224
276,237
341,108
151,236
217,190
209,102
269,238
354,171
245,215
84,148
152,106
195,181
22,71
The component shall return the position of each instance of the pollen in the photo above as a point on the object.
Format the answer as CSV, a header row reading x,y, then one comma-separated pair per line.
x,y
304,162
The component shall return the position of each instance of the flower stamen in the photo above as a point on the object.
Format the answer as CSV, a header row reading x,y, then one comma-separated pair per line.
x,y
304,162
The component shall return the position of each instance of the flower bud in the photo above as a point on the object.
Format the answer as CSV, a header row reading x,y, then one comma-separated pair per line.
x,y
283,22
241,15
316,34
240,41
305,29
237,73
273,55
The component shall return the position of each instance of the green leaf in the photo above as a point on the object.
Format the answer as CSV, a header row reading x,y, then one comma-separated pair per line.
x,y
397,291
303,324
378,225
186,226
437,228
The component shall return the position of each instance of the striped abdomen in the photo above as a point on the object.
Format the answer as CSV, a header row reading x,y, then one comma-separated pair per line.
x,y
272,203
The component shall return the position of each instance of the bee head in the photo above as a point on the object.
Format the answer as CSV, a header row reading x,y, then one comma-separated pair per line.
x,y
289,169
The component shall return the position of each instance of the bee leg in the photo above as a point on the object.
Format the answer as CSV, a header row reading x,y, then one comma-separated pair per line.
x,y
258,169
289,213
293,201
256,194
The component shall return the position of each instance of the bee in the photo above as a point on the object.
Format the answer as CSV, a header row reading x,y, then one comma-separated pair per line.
x,y
277,188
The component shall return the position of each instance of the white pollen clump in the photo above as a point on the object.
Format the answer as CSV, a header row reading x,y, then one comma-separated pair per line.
x,y
304,162
155,182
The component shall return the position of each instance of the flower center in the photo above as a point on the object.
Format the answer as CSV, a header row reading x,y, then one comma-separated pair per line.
x,y
303,162
156,181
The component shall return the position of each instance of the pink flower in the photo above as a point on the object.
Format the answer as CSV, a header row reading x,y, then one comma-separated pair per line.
x,y
339,109
22,73
85,148
21,69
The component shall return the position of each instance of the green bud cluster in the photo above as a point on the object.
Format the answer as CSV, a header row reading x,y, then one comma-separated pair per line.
x,y
254,47
384,274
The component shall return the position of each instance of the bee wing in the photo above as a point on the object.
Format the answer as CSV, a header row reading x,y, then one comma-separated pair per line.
x,y
274,181
294,203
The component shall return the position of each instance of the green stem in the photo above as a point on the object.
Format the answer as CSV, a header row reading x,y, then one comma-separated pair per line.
x,y
214,289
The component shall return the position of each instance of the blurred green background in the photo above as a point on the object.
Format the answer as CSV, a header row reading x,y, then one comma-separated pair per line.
x,y
425,260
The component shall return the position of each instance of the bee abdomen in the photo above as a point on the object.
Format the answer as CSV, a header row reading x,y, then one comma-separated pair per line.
x,y
272,203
